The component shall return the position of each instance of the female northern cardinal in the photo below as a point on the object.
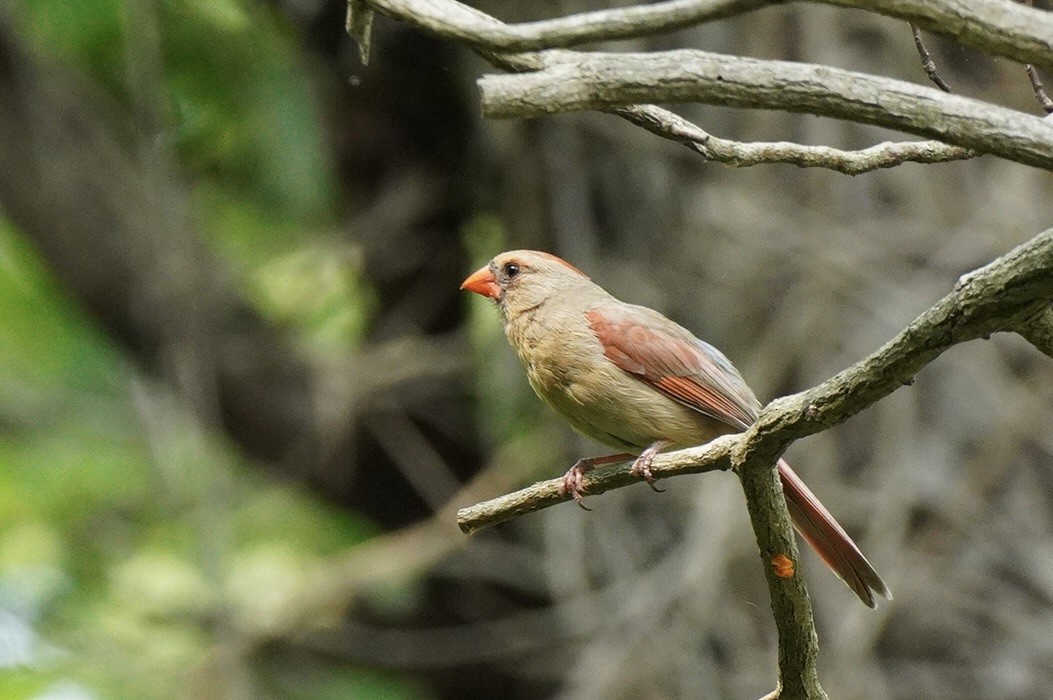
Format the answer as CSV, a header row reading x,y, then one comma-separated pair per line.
x,y
626,376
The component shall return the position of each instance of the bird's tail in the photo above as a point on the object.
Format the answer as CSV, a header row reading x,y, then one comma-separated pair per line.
x,y
828,539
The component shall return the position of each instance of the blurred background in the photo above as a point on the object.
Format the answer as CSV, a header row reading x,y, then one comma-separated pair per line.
x,y
241,395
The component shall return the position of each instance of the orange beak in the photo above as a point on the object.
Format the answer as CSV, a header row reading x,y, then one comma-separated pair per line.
x,y
483,282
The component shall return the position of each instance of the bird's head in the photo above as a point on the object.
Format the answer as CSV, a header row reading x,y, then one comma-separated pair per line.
x,y
523,278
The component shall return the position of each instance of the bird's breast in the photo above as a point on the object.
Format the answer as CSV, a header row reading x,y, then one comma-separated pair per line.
x,y
569,371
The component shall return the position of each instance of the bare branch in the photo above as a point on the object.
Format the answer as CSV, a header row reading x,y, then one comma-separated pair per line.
x,y
1036,82
454,20
712,456
1006,295
790,604
738,154
1040,90
1013,31
487,34
991,26
575,81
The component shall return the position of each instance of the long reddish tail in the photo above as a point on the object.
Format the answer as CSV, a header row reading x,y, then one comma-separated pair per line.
x,y
829,540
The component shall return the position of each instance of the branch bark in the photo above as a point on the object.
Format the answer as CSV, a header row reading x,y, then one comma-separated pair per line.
x,y
493,40
1038,330
790,604
737,154
713,456
575,81
1013,31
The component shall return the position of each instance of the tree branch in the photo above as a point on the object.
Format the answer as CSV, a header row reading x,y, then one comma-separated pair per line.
x,y
737,154
1038,330
998,28
1017,32
489,36
454,20
575,81
790,604
926,60
713,456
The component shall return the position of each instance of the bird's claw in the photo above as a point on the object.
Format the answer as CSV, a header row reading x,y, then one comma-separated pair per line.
x,y
642,467
572,483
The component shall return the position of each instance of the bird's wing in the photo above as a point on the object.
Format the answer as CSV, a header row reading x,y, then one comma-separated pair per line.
x,y
668,357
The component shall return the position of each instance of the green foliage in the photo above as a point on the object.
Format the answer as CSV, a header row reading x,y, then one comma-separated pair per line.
x,y
315,684
87,34
234,98
133,541
104,540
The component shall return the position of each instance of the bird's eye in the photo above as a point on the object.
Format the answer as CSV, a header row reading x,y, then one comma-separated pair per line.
x,y
511,269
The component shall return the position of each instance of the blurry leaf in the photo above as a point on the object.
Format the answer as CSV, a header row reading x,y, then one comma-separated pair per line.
x,y
242,111
109,516
66,473
45,343
263,580
19,683
159,584
339,684
321,293
31,561
83,34
282,513
129,655
223,15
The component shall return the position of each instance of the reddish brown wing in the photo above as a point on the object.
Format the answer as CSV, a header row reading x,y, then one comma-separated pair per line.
x,y
665,355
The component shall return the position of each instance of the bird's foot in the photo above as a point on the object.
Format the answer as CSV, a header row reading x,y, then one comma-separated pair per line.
x,y
572,480
642,466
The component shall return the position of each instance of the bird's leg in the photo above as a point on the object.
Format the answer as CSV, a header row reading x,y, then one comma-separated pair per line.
x,y
572,479
642,465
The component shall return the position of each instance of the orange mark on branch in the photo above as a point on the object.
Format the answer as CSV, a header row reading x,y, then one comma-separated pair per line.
x,y
783,566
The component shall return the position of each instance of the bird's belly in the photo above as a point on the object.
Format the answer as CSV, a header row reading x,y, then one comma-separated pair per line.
x,y
628,417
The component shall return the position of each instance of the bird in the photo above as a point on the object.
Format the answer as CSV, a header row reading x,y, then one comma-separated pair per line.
x,y
628,377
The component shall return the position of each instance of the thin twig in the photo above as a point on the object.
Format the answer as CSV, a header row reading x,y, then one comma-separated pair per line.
x,y
926,60
1040,91
1036,82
